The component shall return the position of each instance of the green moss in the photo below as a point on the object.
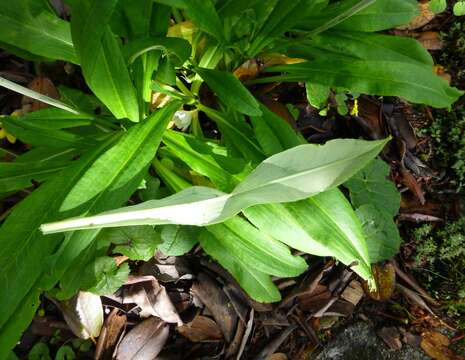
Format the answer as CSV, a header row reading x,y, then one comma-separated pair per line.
x,y
447,134
440,259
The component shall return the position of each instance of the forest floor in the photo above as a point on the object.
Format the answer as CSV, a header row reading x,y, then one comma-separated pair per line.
x,y
420,305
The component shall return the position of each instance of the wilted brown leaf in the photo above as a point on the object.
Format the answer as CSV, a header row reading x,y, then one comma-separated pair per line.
x,y
150,296
436,345
277,356
44,86
430,40
111,331
217,302
200,329
145,341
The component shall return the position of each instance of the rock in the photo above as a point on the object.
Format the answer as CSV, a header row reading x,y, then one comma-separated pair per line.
x,y
359,342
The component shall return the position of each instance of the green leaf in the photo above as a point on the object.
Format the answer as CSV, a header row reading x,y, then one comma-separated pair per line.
x,y
41,33
437,6
65,352
459,8
237,133
16,176
381,15
257,284
178,240
415,83
23,260
204,159
51,118
252,246
230,91
383,239
177,49
101,57
39,351
371,186
104,277
34,134
317,95
137,147
324,225
292,175
283,17
107,171
137,243
204,15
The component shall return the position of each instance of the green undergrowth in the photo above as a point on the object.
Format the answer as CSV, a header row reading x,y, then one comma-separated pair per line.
x,y
440,260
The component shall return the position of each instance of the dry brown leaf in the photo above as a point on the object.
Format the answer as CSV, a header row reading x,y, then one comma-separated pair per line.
x,y
436,345
385,278
150,296
110,334
217,303
145,341
353,293
424,17
430,40
409,180
202,328
279,59
247,70
44,86
277,356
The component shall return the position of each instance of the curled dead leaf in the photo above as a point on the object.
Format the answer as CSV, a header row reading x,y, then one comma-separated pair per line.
x,y
145,341
200,329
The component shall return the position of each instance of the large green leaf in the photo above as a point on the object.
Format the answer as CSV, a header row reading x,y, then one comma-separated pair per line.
x,y
230,91
371,186
109,183
257,284
283,17
16,176
292,175
101,57
237,133
381,15
382,234
123,161
413,82
223,170
23,248
252,246
34,133
39,32
324,225
204,15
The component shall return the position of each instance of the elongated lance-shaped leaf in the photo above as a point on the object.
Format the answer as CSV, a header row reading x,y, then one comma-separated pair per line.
x,y
110,181
32,26
292,175
101,57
